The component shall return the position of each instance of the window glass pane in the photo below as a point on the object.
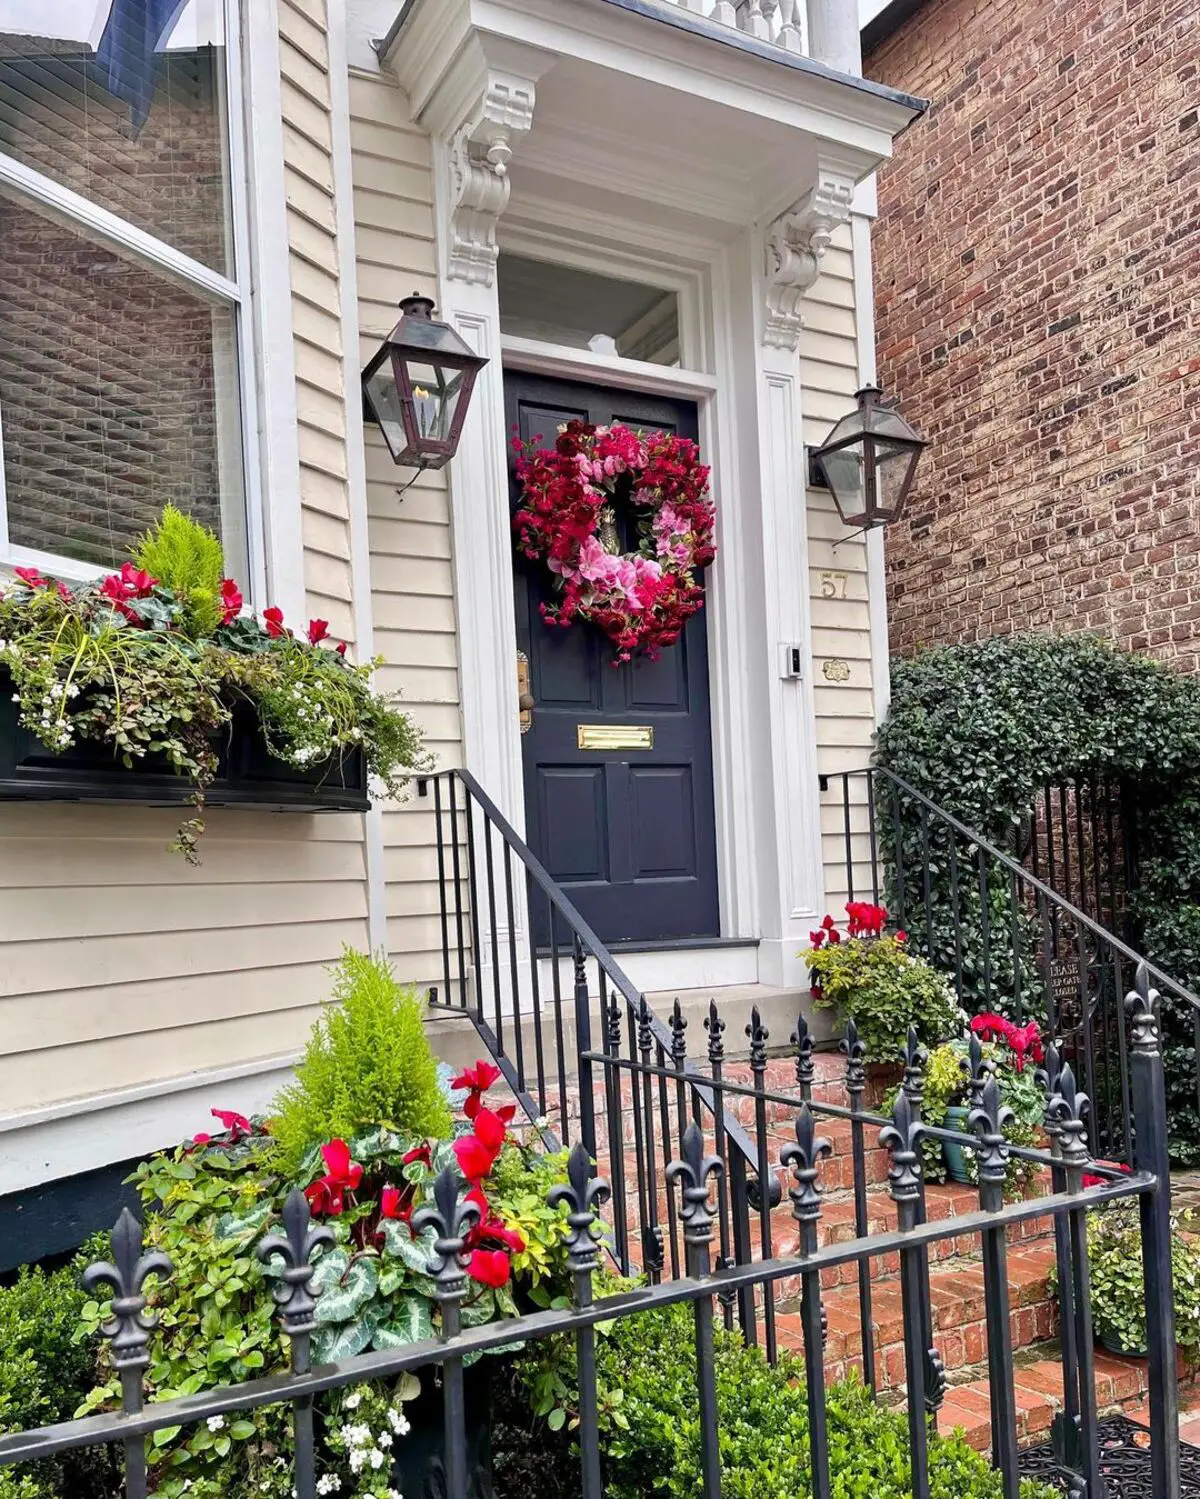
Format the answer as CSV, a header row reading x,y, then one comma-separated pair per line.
x,y
118,392
561,305
126,109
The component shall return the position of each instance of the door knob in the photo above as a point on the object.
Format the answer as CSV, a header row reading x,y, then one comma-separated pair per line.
x,y
525,698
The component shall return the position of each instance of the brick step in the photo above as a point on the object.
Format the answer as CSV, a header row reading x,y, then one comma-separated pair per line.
x,y
1121,1383
956,1297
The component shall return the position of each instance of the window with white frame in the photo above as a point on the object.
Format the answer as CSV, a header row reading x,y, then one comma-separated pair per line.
x,y
122,277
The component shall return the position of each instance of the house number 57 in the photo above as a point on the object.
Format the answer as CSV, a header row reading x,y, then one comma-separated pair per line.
x,y
833,585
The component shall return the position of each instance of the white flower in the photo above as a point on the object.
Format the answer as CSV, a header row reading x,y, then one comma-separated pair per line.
x,y
376,1458
357,1458
384,1439
398,1421
353,1400
329,1484
215,1423
16,697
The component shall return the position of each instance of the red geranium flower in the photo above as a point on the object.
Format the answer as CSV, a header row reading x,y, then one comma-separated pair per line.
x,y
273,622
317,630
231,600
490,1267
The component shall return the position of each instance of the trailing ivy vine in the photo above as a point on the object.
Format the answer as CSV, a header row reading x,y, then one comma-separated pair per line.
x,y
981,729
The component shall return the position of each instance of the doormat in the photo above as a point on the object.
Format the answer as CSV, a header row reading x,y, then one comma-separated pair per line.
x,y
1124,1462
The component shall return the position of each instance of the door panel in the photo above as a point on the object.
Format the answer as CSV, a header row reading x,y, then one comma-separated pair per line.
x,y
630,834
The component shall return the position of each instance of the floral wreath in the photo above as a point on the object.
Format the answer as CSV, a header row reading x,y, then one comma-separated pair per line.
x,y
641,599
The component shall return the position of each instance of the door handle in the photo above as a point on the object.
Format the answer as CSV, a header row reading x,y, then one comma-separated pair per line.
x,y
525,698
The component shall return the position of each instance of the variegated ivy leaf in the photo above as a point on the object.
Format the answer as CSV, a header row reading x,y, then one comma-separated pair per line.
x,y
231,1226
411,1322
346,1287
414,1253
416,1173
374,1142
443,1156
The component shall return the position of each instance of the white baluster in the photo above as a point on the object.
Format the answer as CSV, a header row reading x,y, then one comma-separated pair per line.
x,y
725,12
752,21
790,36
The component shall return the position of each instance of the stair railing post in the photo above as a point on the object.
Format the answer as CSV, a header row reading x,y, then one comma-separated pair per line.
x,y
1150,1155
1064,1431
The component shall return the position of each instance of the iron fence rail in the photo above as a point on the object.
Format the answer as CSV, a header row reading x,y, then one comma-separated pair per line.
x,y
1006,937
688,1178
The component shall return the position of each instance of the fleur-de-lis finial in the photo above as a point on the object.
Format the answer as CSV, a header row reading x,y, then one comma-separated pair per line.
x,y
1141,1004
902,1138
130,1326
715,1027
1069,1108
450,1217
915,1059
759,1036
692,1172
1047,1077
583,1192
979,1069
645,1029
988,1119
295,1246
802,1041
804,1160
678,1037
579,959
855,1052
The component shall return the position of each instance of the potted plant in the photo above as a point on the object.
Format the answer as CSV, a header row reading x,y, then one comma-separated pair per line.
x,y
364,1130
1118,1294
153,684
869,976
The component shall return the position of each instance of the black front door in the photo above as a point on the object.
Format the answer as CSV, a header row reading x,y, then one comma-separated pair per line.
x,y
629,833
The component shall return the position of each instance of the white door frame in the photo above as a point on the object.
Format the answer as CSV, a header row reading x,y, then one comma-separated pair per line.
x,y
763,728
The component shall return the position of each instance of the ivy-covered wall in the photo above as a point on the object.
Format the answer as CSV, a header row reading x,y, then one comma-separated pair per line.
x,y
982,728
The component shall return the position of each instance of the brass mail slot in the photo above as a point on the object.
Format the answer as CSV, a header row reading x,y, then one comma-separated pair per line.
x,y
614,736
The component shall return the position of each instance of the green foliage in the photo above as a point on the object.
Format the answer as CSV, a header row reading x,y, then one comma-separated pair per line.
x,y
980,729
883,988
44,1374
188,559
367,1062
1118,1292
145,671
650,1425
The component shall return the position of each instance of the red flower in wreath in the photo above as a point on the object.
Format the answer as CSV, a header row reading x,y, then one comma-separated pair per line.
x,y
640,599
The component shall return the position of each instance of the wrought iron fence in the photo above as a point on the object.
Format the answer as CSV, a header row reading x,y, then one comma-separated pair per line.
x,y
1008,939
686,1186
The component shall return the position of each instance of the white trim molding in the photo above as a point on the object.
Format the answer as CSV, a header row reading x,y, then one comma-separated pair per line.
x,y
796,244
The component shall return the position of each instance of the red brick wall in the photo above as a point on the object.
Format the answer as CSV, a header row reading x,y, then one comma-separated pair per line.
x,y
1037,262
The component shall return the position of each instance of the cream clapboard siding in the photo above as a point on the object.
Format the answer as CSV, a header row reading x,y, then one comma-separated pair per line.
x,y
412,590
120,965
316,312
845,710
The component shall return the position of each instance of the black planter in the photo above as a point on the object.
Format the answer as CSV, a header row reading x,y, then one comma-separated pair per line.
x,y
248,775
419,1458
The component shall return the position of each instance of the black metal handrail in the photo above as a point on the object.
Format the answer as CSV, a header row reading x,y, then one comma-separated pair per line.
x,y
1030,936
478,916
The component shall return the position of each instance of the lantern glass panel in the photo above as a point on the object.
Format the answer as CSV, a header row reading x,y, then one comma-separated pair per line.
x,y
386,408
436,392
844,473
893,464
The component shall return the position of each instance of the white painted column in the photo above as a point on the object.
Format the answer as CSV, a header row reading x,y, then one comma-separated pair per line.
x,y
833,34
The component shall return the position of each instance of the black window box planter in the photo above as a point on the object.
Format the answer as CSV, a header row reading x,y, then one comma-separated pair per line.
x,y
248,775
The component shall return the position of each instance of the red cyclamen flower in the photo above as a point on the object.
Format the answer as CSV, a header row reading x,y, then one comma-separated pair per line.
x,y
318,629
273,622
490,1267
231,600
328,1194
235,1124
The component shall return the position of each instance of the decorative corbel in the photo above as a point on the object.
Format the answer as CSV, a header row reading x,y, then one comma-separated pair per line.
x,y
480,151
796,244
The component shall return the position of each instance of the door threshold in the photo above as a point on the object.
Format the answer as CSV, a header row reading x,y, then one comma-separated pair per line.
x,y
680,944
698,963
